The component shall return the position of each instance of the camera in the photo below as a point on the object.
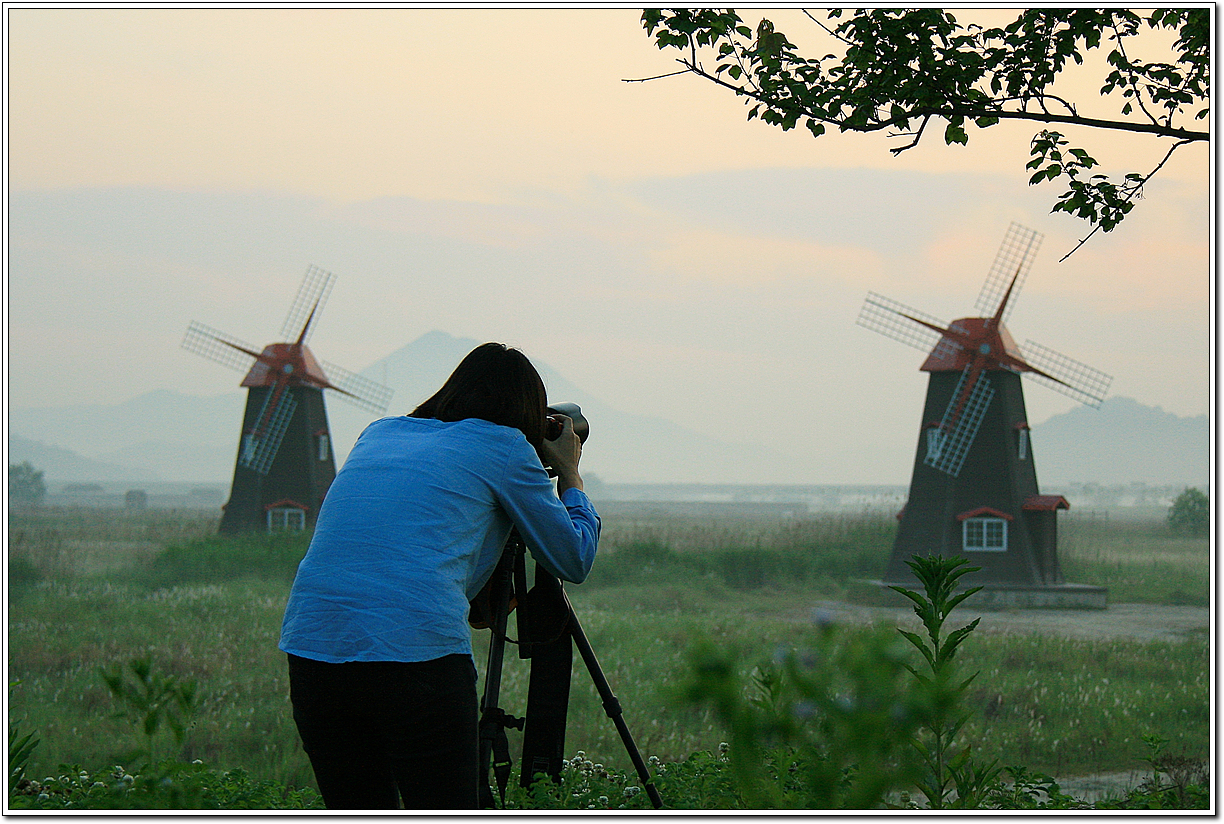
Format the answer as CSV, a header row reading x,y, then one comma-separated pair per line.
x,y
553,425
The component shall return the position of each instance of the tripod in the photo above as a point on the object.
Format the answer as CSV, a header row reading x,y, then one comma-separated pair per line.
x,y
543,611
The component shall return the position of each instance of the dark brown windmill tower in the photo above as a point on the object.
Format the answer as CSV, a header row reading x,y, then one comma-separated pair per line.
x,y
974,491
285,462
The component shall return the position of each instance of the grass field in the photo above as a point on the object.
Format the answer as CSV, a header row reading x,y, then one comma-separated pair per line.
x,y
91,589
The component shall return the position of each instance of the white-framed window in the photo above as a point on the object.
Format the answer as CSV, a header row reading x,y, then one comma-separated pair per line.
x,y
1023,446
985,534
934,442
324,447
286,519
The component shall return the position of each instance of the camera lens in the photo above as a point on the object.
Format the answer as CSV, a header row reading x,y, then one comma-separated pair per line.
x,y
571,411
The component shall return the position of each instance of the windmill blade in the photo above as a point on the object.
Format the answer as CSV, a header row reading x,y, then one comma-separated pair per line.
x,y
259,448
896,320
947,348
1014,259
1072,378
226,350
358,390
959,438
312,295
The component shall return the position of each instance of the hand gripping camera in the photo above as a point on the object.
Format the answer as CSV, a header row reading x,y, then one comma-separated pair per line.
x,y
553,425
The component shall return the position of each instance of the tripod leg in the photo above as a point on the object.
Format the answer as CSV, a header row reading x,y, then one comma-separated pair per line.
x,y
552,656
612,706
492,723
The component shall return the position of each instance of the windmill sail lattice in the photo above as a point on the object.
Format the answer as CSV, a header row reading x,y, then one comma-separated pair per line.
x,y
958,436
260,447
311,297
226,350
1074,379
1011,266
895,320
357,389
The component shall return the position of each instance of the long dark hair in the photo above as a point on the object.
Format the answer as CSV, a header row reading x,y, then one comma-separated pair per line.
x,y
496,383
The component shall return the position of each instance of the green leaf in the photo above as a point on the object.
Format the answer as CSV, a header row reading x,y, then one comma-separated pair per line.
x,y
955,601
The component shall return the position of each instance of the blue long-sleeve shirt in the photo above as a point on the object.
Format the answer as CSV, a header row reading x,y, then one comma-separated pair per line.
x,y
412,528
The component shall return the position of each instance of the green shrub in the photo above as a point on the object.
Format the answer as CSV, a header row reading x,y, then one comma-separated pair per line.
x,y
840,727
152,700
1190,513
26,485
20,746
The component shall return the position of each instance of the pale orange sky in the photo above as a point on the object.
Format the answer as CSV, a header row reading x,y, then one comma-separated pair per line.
x,y
403,102
513,130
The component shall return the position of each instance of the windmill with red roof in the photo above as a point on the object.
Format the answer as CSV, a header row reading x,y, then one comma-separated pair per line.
x,y
285,462
973,492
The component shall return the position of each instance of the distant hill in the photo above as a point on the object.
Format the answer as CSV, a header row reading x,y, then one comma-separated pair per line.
x,y
625,447
61,465
164,435
160,435
1122,442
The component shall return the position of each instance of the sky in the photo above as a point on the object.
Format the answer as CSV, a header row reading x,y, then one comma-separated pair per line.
x,y
490,174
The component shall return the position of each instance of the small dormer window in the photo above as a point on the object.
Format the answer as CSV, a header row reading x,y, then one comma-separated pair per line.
x,y
324,446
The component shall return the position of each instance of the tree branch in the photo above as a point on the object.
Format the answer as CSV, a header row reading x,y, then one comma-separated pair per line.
x,y
954,111
1134,75
656,77
917,136
1135,191
1078,120
900,67
824,26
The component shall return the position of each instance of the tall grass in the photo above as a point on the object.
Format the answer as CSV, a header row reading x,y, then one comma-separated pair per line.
x,y
224,636
746,554
209,608
1139,561
65,543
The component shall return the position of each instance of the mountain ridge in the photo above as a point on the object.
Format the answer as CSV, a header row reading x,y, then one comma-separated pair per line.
x,y
163,434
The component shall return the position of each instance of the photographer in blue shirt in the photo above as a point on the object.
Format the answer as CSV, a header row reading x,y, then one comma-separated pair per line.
x,y
381,674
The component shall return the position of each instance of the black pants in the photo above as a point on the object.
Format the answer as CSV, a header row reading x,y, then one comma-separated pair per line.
x,y
378,732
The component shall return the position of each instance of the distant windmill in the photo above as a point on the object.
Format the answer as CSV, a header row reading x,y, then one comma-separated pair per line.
x,y
285,462
974,491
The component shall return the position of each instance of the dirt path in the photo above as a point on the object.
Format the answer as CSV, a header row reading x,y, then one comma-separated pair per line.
x,y
1139,622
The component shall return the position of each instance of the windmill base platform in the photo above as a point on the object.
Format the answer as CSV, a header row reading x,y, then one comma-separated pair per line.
x,y
1008,596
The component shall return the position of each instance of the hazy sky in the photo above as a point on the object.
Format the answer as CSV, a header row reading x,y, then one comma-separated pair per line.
x,y
489,174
